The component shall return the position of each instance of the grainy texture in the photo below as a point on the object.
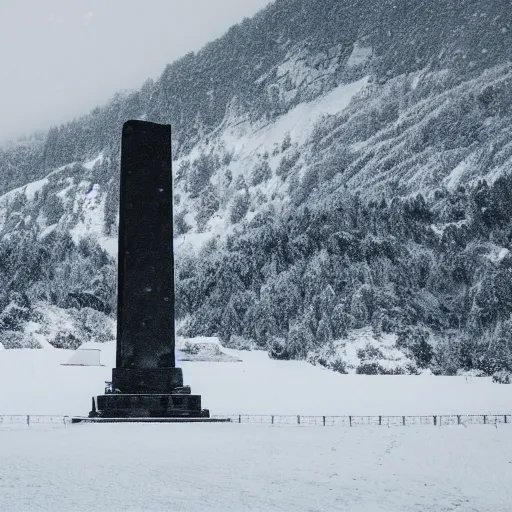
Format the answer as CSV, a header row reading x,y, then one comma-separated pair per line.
x,y
245,467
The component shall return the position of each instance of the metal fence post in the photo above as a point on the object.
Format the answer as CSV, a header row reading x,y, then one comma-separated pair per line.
x,y
239,418
272,419
28,420
324,420
505,418
298,420
380,420
485,419
403,420
350,420
458,420
435,421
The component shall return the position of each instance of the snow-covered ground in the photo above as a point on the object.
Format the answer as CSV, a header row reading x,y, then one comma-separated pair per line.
x,y
34,382
202,467
224,467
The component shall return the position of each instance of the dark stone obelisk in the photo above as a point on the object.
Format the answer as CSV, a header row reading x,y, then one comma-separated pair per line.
x,y
145,310
145,382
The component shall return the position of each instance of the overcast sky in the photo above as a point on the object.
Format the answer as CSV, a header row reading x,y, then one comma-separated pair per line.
x,y
62,58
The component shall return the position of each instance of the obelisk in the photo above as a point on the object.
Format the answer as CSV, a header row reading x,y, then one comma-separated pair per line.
x,y
145,382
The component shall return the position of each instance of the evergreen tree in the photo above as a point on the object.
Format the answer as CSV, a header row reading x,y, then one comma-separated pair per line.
x,y
208,205
261,173
240,207
324,336
339,322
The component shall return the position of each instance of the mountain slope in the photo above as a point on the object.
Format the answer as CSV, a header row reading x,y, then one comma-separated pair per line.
x,y
330,160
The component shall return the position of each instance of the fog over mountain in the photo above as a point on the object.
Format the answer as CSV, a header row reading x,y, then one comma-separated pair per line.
x,y
61,59
342,192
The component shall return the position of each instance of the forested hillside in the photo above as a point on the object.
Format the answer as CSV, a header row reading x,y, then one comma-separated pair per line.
x,y
433,272
340,167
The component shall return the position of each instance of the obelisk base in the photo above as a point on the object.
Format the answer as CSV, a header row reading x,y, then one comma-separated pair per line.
x,y
164,381
148,393
79,419
148,406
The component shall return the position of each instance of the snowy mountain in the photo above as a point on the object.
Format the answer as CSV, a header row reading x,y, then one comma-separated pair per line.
x,y
338,166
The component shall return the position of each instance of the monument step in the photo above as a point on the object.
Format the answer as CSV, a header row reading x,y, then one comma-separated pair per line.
x,y
150,420
147,381
147,413
147,405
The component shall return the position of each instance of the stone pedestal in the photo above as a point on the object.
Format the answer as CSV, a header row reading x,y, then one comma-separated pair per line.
x,y
152,393
147,381
148,406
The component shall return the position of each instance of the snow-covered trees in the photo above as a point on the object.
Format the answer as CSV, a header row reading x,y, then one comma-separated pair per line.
x,y
239,207
286,164
208,205
415,341
200,172
49,271
261,173
309,275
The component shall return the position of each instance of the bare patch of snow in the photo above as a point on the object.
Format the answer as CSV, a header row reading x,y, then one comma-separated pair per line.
x,y
92,213
191,241
360,55
455,177
244,140
33,328
348,350
498,254
439,229
108,244
416,81
46,231
32,188
91,163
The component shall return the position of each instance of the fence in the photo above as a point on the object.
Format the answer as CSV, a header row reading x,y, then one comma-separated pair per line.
x,y
358,421
34,421
20,421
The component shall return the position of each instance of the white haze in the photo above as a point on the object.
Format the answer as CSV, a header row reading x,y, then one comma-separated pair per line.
x,y
61,59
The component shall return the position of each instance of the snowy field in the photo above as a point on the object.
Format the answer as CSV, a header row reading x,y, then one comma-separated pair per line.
x,y
225,467
222,467
34,382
